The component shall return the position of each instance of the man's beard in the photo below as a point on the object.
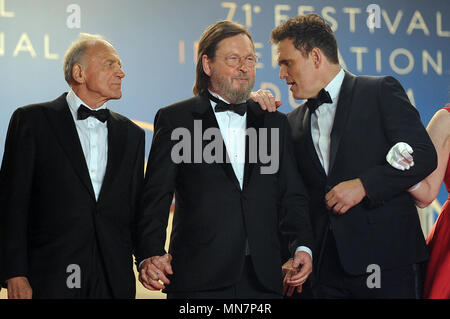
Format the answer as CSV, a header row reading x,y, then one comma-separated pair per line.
x,y
224,88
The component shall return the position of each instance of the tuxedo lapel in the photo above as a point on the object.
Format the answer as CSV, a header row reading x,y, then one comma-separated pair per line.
x,y
342,111
62,122
255,120
204,112
309,141
117,136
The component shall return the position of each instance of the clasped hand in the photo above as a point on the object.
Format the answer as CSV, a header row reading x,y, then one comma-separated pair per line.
x,y
296,271
154,271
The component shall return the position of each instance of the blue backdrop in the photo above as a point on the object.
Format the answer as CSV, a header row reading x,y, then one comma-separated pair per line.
x,y
156,40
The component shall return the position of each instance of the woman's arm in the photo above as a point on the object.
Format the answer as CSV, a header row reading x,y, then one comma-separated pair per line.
x,y
439,131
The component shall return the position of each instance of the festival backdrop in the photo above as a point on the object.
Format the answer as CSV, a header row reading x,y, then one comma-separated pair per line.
x,y
157,39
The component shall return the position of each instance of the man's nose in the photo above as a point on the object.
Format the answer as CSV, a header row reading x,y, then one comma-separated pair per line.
x,y
120,73
283,73
243,67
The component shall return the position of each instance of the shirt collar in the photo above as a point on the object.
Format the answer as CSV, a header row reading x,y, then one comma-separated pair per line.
x,y
213,105
334,87
74,103
217,96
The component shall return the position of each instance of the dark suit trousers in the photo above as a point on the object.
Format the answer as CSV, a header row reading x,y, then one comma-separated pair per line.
x,y
94,283
335,283
248,287
97,286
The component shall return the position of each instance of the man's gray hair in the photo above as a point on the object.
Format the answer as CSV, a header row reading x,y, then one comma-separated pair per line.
x,y
76,51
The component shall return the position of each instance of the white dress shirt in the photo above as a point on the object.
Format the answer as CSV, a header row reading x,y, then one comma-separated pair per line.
x,y
233,127
322,121
93,136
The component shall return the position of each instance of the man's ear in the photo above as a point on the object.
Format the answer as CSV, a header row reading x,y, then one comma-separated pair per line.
x,y
78,73
206,63
316,56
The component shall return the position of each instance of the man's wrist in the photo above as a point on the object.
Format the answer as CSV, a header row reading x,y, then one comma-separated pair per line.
x,y
140,264
305,249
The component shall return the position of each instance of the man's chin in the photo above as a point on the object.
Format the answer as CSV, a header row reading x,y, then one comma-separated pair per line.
x,y
297,96
116,96
243,87
243,93
242,96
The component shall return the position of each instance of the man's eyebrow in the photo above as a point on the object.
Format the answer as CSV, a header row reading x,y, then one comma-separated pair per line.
x,y
113,60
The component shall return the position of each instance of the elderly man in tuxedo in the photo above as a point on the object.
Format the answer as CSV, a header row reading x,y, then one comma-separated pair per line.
x,y
225,236
71,177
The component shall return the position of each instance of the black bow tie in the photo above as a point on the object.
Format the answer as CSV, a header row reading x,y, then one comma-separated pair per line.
x,y
84,112
222,106
322,97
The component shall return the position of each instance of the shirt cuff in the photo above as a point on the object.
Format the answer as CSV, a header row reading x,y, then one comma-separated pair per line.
x,y
139,267
305,249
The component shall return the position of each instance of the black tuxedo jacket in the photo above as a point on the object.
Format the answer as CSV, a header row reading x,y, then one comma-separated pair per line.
x,y
213,216
49,216
373,114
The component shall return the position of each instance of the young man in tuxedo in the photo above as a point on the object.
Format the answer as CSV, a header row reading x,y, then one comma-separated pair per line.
x,y
365,224
225,234
71,177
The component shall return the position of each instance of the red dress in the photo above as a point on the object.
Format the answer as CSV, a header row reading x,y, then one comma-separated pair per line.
x,y
437,279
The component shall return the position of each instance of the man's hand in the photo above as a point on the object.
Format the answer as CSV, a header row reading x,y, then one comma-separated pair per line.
x,y
296,271
345,195
19,288
266,100
399,156
154,270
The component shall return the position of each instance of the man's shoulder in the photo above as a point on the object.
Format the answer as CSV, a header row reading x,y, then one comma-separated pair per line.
x,y
33,110
183,105
180,113
297,111
268,116
127,122
374,79
276,116
380,86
